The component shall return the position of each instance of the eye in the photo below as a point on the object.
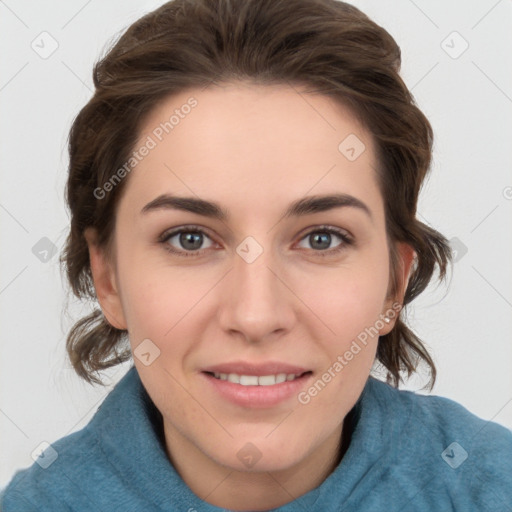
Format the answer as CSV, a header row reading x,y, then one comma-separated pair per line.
x,y
189,241
186,241
321,238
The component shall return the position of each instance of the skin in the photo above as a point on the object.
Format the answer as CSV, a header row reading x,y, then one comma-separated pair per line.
x,y
253,149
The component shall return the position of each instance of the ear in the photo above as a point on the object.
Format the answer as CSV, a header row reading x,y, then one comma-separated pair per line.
x,y
392,306
105,282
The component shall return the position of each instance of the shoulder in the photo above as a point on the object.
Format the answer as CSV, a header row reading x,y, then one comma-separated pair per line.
x,y
436,414
76,471
465,452
43,482
449,420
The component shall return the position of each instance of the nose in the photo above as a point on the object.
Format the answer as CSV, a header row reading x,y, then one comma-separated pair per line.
x,y
257,303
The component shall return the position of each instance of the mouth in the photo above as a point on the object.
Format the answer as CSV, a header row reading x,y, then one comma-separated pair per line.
x,y
255,386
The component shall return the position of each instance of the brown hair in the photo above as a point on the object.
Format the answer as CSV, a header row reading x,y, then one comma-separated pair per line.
x,y
327,45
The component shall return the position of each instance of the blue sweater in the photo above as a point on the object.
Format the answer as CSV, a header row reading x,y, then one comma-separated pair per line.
x,y
407,452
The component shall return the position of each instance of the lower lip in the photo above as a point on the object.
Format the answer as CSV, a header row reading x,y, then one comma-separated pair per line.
x,y
257,396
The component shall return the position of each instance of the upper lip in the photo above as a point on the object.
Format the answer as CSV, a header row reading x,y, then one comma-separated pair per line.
x,y
257,369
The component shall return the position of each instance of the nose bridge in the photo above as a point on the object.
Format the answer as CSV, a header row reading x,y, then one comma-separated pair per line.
x,y
257,303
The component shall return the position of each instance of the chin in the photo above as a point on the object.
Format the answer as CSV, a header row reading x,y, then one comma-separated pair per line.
x,y
260,455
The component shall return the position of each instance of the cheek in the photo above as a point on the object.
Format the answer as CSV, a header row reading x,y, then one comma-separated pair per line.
x,y
348,303
150,302
155,308
164,303
347,299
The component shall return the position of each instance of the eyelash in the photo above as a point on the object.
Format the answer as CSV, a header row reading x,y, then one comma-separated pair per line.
x,y
347,240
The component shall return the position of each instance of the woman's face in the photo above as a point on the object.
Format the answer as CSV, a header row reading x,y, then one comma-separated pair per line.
x,y
253,275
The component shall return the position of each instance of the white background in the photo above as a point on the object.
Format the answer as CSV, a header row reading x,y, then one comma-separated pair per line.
x,y
468,100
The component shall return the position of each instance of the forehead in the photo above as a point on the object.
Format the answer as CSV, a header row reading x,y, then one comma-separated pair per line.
x,y
265,142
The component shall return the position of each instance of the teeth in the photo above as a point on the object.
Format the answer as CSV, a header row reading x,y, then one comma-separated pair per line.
x,y
253,380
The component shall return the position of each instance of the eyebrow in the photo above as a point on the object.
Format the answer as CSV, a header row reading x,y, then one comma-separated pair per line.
x,y
304,206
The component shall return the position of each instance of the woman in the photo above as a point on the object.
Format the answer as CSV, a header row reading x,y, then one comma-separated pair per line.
x,y
243,188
